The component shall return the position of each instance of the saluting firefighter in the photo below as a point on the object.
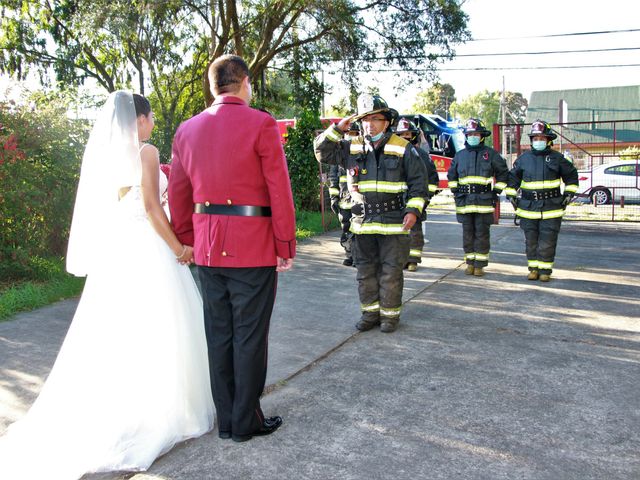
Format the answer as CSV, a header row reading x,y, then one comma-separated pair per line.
x,y
471,180
387,182
409,131
539,174
341,201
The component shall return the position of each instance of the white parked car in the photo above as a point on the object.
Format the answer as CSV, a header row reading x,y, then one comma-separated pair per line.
x,y
610,181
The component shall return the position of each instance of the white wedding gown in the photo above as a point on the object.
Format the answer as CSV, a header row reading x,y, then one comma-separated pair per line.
x,y
132,378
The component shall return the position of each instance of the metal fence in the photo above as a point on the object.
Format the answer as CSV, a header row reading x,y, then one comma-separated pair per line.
x,y
606,154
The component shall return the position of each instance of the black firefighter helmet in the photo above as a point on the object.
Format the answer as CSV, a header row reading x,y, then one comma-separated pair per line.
x,y
405,126
475,125
370,104
540,128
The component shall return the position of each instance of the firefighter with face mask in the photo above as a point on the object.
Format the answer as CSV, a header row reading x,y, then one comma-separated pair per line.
x,y
387,182
471,180
539,174
409,131
341,200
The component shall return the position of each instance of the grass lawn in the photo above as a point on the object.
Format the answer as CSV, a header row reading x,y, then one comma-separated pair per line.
x,y
22,296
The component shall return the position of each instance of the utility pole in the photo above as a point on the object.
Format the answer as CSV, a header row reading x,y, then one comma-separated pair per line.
x,y
503,115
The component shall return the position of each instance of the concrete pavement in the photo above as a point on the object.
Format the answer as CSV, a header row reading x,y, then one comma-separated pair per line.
x,y
486,378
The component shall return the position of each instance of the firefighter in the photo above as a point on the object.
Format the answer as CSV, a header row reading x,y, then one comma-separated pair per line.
x,y
341,201
539,174
386,179
471,181
409,131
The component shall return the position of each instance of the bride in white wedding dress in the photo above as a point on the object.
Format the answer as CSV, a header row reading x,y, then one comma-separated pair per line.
x,y
131,379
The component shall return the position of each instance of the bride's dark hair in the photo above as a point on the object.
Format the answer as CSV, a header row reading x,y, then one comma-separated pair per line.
x,y
142,105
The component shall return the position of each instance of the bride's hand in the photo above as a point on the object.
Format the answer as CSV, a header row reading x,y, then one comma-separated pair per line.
x,y
186,258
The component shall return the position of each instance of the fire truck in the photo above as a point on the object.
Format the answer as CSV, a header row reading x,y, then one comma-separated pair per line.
x,y
441,137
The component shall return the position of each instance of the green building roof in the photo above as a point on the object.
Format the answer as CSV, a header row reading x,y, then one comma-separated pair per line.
x,y
592,105
587,104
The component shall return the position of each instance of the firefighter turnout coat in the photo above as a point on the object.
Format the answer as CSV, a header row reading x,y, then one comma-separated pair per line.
x,y
383,190
539,176
471,179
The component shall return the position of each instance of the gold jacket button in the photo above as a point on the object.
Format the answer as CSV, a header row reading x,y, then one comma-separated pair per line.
x,y
228,201
224,254
207,204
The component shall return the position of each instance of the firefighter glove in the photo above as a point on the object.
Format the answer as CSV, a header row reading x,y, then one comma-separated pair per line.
x,y
567,199
514,202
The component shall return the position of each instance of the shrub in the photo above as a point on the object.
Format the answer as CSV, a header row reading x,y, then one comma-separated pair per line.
x,y
40,154
303,167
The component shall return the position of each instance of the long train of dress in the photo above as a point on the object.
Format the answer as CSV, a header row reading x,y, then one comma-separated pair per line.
x,y
131,379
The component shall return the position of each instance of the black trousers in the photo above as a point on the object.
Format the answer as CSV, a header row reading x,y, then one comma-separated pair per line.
x,y
237,310
346,239
379,261
476,238
541,237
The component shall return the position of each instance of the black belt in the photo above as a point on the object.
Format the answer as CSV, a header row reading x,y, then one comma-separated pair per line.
x,y
368,209
238,210
474,188
541,194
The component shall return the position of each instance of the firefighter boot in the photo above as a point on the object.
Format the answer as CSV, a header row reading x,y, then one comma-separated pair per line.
x,y
533,275
469,270
388,326
478,272
367,322
545,277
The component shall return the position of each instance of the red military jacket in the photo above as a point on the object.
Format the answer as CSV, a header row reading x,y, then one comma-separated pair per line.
x,y
231,154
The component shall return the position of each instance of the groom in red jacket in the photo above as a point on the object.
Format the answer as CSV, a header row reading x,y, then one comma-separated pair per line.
x,y
230,197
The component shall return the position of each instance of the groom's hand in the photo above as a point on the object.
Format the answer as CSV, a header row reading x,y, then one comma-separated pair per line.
x,y
284,264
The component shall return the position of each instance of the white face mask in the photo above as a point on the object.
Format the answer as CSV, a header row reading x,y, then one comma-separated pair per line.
x,y
539,145
473,140
375,138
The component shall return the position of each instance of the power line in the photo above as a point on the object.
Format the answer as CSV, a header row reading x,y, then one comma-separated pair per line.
x,y
500,68
497,54
543,53
559,35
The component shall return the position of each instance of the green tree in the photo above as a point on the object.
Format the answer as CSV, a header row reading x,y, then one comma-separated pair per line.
x,y
516,107
112,41
484,105
437,99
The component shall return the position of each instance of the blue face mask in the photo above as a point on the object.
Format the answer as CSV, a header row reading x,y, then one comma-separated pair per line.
x,y
473,140
377,137
539,145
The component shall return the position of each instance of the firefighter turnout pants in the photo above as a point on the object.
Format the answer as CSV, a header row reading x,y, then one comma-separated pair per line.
x,y
380,260
346,239
476,239
416,242
541,238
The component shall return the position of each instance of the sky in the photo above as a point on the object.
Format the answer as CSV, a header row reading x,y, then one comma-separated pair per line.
x,y
513,20
521,27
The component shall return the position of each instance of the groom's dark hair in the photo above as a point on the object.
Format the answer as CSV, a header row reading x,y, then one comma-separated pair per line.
x,y
226,74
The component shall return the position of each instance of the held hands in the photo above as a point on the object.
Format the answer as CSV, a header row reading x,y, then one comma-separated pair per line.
x,y
283,264
186,257
409,221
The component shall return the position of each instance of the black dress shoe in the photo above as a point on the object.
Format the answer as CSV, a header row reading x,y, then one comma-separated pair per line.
x,y
224,434
270,425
